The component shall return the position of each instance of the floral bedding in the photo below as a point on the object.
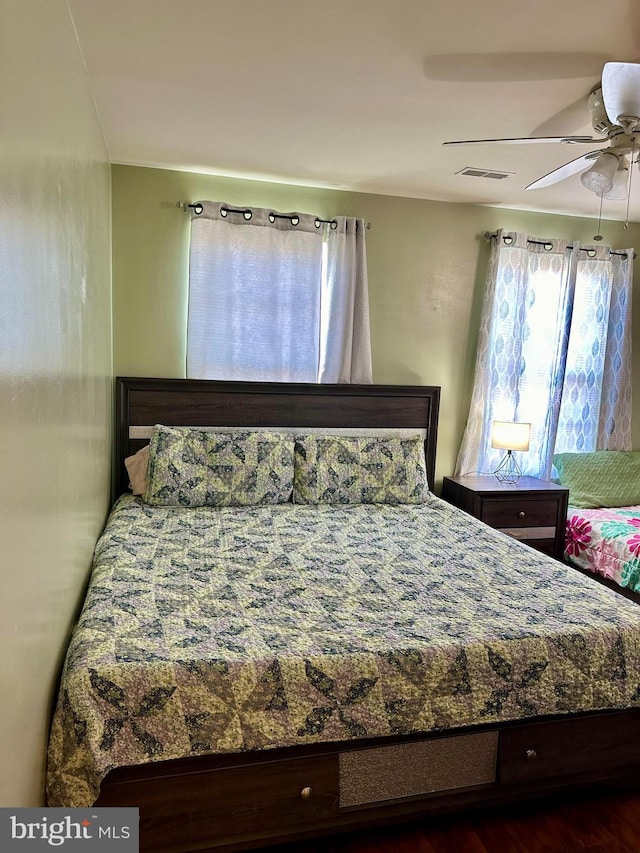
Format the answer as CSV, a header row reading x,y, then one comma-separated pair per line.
x,y
606,542
223,629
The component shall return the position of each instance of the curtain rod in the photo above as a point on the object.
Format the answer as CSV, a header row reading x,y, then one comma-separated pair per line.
x,y
491,235
248,213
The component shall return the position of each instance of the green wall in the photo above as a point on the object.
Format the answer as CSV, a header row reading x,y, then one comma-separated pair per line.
x,y
427,261
55,369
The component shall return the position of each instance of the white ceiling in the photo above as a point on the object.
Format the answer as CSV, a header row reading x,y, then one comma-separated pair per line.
x,y
358,94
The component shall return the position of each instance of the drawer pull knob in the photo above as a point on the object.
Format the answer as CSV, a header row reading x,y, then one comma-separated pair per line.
x,y
305,793
521,514
531,755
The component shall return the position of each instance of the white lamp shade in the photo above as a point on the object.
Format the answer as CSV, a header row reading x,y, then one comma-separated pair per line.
x,y
620,187
506,435
599,178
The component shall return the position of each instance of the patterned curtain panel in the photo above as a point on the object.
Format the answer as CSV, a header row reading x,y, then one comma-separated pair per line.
x,y
614,425
554,350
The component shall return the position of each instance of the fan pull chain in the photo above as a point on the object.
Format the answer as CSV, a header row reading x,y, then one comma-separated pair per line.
x,y
598,236
633,152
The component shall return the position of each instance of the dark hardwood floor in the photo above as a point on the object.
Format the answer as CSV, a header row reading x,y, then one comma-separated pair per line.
x,y
597,822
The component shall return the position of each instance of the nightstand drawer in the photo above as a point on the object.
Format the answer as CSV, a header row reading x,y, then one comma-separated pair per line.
x,y
519,513
547,546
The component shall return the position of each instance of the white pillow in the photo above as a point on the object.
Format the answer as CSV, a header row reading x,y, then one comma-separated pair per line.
x,y
136,466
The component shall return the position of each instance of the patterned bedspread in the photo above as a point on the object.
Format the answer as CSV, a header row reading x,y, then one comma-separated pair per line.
x,y
218,630
606,542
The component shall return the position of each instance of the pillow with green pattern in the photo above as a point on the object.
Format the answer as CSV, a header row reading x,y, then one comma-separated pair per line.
x,y
601,478
358,470
198,467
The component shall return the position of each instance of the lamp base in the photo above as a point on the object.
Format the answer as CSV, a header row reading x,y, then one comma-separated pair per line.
x,y
508,471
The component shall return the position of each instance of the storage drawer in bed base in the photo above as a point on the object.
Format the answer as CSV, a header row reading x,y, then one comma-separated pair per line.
x,y
234,802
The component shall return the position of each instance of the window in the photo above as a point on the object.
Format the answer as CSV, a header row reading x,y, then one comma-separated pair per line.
x,y
554,351
277,297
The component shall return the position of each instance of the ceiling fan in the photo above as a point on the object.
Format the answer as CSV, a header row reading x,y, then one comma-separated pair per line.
x,y
614,105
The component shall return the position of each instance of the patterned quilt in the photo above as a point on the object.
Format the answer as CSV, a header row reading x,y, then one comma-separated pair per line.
x,y
606,542
211,630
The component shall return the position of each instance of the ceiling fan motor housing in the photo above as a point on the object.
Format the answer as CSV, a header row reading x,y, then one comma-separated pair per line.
x,y
599,119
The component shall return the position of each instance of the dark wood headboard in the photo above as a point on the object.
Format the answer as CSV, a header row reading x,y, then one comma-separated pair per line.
x,y
198,402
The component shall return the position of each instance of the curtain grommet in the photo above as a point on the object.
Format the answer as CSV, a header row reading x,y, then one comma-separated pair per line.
x,y
508,240
548,247
246,212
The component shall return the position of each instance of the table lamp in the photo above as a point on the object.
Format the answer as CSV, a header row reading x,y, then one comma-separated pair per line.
x,y
509,436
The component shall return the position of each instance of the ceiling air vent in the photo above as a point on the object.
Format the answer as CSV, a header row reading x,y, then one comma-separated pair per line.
x,y
484,173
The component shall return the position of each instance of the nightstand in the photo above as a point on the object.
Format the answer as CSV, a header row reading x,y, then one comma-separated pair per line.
x,y
531,510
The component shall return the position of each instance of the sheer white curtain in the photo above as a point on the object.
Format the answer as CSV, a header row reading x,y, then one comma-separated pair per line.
x,y
554,350
345,341
276,297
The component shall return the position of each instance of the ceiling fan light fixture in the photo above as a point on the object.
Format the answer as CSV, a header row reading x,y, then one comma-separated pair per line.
x,y
620,186
599,178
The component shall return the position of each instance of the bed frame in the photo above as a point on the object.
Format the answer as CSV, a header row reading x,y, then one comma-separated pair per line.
x,y
253,799
141,403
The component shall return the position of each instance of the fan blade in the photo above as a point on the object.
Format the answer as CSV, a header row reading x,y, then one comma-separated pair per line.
x,y
621,90
575,140
563,172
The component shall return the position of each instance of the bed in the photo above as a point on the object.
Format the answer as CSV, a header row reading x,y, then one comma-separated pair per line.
x,y
248,676
606,542
603,517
